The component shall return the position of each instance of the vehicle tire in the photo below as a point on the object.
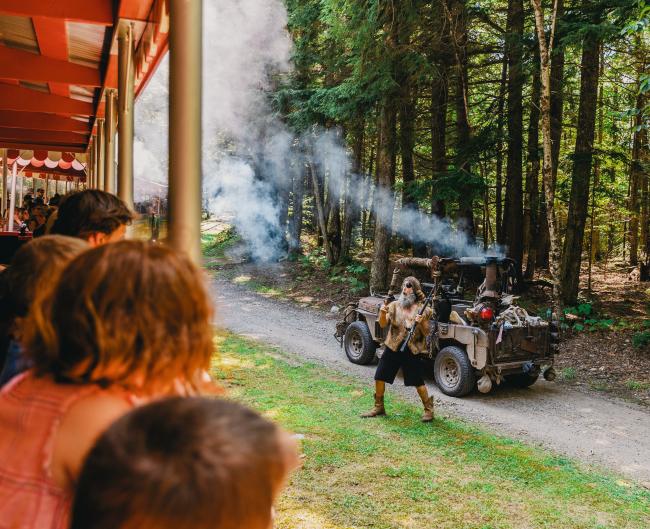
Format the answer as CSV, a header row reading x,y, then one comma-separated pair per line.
x,y
453,372
523,380
359,346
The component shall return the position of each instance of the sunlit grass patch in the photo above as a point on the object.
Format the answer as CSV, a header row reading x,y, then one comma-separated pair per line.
x,y
396,472
216,244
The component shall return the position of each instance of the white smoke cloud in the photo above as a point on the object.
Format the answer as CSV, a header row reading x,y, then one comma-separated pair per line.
x,y
246,150
150,146
334,160
249,155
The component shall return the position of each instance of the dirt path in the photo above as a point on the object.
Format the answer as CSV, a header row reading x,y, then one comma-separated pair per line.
x,y
599,431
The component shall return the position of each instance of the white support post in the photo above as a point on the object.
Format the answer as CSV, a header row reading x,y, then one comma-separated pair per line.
x,y
12,206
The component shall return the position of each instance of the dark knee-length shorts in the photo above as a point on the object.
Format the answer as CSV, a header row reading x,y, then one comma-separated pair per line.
x,y
391,362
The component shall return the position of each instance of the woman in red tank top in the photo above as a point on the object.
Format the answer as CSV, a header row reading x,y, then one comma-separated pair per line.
x,y
128,322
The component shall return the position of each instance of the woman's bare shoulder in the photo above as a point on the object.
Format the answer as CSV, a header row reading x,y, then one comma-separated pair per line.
x,y
80,427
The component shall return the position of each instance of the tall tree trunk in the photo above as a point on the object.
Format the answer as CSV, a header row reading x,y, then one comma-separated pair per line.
x,y
557,111
582,166
513,217
637,174
441,57
593,243
545,50
283,215
352,208
499,154
439,96
457,15
334,227
557,89
295,226
371,180
407,144
531,224
645,214
383,199
320,213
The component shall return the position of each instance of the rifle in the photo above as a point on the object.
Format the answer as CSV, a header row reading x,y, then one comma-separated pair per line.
x,y
411,330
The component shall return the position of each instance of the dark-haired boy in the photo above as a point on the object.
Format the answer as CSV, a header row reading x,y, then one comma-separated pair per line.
x,y
184,463
93,215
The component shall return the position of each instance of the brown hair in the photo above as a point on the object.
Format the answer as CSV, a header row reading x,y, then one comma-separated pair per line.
x,y
40,259
91,211
184,463
128,313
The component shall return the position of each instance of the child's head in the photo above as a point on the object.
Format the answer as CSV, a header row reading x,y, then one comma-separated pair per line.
x,y
35,267
184,463
94,215
129,313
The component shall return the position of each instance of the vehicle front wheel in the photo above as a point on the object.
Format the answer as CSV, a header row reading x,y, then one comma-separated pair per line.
x,y
359,346
453,372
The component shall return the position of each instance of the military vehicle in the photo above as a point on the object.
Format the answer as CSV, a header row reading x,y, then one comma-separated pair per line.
x,y
473,343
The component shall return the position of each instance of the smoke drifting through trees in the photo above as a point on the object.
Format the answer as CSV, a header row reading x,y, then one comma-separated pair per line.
x,y
250,157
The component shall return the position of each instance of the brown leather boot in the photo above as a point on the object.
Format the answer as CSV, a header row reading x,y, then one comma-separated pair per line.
x,y
427,416
377,410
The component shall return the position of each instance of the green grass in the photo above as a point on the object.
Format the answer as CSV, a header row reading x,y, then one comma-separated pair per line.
x,y
215,245
569,373
635,385
396,472
256,286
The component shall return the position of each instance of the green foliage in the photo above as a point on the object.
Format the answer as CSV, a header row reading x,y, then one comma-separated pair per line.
x,y
215,245
586,319
315,258
635,385
568,373
354,57
641,339
584,310
355,275
357,269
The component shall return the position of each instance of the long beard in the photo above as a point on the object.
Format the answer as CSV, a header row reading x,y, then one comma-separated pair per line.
x,y
407,301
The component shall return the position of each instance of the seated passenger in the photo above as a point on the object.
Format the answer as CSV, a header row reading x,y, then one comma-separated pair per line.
x,y
40,199
55,201
184,462
93,215
40,217
18,218
126,322
35,268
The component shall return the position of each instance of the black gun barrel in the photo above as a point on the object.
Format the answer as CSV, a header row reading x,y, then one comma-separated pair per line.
x,y
411,330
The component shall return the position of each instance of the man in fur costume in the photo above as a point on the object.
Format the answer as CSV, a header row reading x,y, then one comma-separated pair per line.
x,y
400,316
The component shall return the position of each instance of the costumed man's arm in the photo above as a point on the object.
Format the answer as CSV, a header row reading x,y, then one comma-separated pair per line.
x,y
384,316
424,321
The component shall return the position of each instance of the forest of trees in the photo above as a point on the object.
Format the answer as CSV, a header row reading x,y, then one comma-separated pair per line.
x,y
525,122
